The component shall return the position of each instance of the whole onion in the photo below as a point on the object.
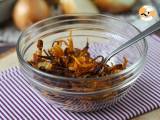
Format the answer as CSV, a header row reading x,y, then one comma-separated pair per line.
x,y
115,6
27,12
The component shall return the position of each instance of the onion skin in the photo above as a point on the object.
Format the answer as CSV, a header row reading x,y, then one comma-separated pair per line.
x,y
115,6
78,6
27,12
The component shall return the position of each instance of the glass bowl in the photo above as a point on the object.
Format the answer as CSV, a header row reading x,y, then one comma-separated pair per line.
x,y
104,34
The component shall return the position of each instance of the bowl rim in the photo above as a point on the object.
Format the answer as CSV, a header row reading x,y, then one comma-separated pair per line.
x,y
29,67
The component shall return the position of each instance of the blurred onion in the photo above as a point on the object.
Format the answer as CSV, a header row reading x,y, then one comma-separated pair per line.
x,y
27,12
115,6
78,6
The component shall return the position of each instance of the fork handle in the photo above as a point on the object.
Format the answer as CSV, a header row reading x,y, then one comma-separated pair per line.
x,y
137,38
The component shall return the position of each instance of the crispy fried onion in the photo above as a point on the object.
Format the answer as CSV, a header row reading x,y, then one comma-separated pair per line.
x,y
65,60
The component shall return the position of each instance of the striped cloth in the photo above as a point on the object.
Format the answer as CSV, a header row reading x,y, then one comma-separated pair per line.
x,y
20,101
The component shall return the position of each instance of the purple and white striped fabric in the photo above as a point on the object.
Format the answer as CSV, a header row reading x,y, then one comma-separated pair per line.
x,y
20,101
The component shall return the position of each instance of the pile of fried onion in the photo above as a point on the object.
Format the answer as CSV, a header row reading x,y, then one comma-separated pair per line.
x,y
72,62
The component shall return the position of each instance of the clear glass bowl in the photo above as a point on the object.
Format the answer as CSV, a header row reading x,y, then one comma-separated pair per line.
x,y
104,34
